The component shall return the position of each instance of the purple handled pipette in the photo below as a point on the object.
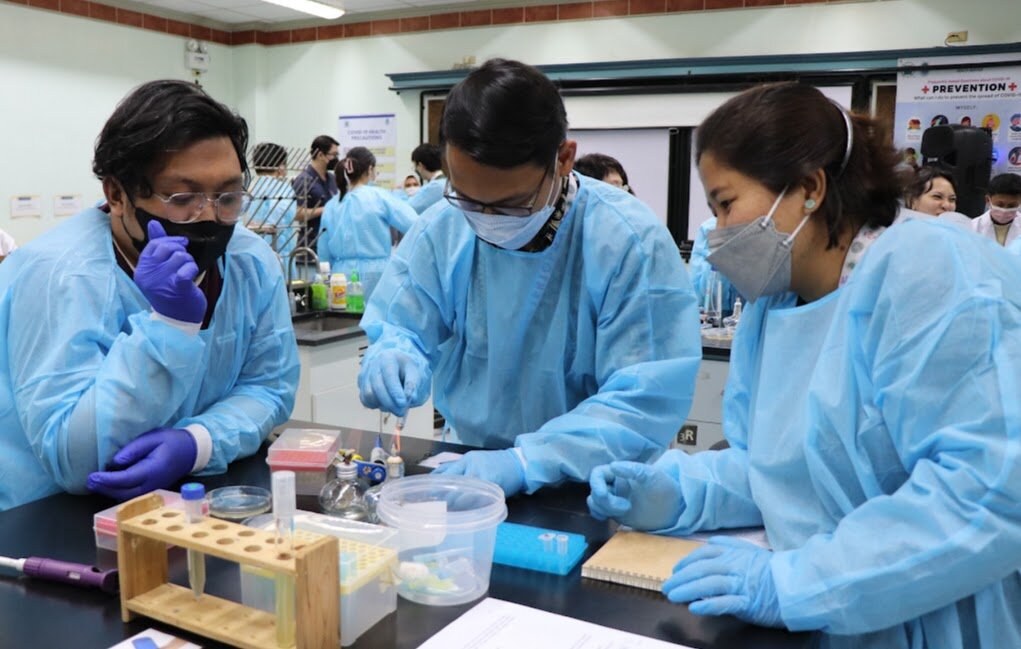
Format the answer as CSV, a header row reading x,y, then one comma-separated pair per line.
x,y
76,574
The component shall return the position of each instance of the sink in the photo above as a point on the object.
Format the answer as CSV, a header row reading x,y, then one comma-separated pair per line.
x,y
325,321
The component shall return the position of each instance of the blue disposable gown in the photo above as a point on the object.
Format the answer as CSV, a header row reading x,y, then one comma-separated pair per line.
x,y
578,355
84,368
355,232
274,204
876,433
701,270
1015,247
430,194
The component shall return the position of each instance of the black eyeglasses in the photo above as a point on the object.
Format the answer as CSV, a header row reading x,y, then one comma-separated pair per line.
x,y
185,207
472,205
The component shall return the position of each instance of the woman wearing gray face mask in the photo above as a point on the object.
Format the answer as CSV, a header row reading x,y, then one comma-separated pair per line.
x,y
871,406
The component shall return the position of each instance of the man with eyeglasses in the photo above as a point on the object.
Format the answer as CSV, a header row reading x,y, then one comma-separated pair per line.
x,y
550,313
151,338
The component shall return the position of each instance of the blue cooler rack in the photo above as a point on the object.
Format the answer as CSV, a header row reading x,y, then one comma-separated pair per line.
x,y
523,546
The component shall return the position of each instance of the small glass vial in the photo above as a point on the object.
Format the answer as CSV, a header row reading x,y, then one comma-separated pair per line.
x,y
344,495
394,471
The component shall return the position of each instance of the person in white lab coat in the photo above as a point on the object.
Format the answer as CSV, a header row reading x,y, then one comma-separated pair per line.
x,y
7,245
999,222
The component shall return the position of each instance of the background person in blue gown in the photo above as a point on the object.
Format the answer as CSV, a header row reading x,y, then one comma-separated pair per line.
x,y
872,404
153,339
550,312
355,230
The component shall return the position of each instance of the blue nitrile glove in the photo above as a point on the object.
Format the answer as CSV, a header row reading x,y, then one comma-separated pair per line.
x,y
501,467
166,276
154,460
394,381
727,576
638,495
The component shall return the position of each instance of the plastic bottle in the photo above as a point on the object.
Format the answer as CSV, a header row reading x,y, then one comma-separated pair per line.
x,y
394,471
320,291
355,294
344,496
338,292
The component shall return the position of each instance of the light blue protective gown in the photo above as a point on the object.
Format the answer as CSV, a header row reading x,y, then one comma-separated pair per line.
x,y
578,355
1015,247
430,194
274,204
876,433
84,368
701,271
355,232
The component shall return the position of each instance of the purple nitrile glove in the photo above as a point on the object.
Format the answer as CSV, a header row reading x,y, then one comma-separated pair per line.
x,y
154,460
166,276
638,495
727,576
501,467
393,380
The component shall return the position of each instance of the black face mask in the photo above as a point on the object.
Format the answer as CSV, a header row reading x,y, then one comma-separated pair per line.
x,y
331,164
207,240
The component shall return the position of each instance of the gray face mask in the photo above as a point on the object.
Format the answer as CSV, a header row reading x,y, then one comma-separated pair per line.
x,y
755,257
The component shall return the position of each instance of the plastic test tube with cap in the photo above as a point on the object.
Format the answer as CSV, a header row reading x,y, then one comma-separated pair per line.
x,y
193,495
284,506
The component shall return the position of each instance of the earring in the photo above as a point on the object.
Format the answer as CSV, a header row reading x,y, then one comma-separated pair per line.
x,y
810,204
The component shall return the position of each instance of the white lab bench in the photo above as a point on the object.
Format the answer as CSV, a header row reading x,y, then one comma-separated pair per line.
x,y
703,428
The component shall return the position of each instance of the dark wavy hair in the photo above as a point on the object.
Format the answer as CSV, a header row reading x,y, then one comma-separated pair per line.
x,y
598,165
781,133
429,155
505,114
157,117
352,167
922,180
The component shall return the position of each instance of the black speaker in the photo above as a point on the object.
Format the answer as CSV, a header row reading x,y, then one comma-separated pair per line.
x,y
967,151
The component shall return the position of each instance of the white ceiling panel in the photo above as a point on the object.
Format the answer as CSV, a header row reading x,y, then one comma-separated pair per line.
x,y
226,16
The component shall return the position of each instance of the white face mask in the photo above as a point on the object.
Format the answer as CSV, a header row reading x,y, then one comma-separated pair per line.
x,y
508,232
1002,215
411,191
513,232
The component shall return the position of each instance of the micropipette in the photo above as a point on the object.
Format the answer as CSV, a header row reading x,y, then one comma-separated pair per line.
x,y
65,572
193,495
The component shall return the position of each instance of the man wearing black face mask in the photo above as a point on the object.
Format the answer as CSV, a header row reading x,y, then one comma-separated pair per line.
x,y
315,185
166,346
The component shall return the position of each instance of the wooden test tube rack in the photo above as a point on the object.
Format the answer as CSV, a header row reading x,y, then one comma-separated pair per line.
x,y
145,527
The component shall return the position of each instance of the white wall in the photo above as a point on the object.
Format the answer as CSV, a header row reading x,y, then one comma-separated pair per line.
x,y
69,72
60,78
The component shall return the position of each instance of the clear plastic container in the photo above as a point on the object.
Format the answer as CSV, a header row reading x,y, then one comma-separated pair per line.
x,y
308,452
104,523
368,554
447,532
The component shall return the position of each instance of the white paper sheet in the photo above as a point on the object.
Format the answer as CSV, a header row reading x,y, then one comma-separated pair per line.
x,y
434,461
495,624
146,639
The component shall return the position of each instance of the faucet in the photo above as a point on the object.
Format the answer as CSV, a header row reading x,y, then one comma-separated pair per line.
x,y
290,261
290,268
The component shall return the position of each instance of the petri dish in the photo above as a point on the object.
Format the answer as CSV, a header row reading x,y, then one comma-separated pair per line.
x,y
238,503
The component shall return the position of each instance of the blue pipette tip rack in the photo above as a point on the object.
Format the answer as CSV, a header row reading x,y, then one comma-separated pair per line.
x,y
536,548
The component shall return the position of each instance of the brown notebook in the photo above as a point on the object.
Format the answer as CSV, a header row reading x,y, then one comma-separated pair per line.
x,y
638,559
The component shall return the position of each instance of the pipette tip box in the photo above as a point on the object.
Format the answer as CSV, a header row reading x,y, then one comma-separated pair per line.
x,y
537,548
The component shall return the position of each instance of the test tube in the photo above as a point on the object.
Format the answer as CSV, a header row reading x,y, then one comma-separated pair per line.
x,y
284,506
547,541
562,544
193,495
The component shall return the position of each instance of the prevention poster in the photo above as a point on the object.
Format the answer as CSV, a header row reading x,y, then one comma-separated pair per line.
x,y
988,97
377,133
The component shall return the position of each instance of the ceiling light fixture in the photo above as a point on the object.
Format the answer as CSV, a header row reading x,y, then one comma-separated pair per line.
x,y
310,7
